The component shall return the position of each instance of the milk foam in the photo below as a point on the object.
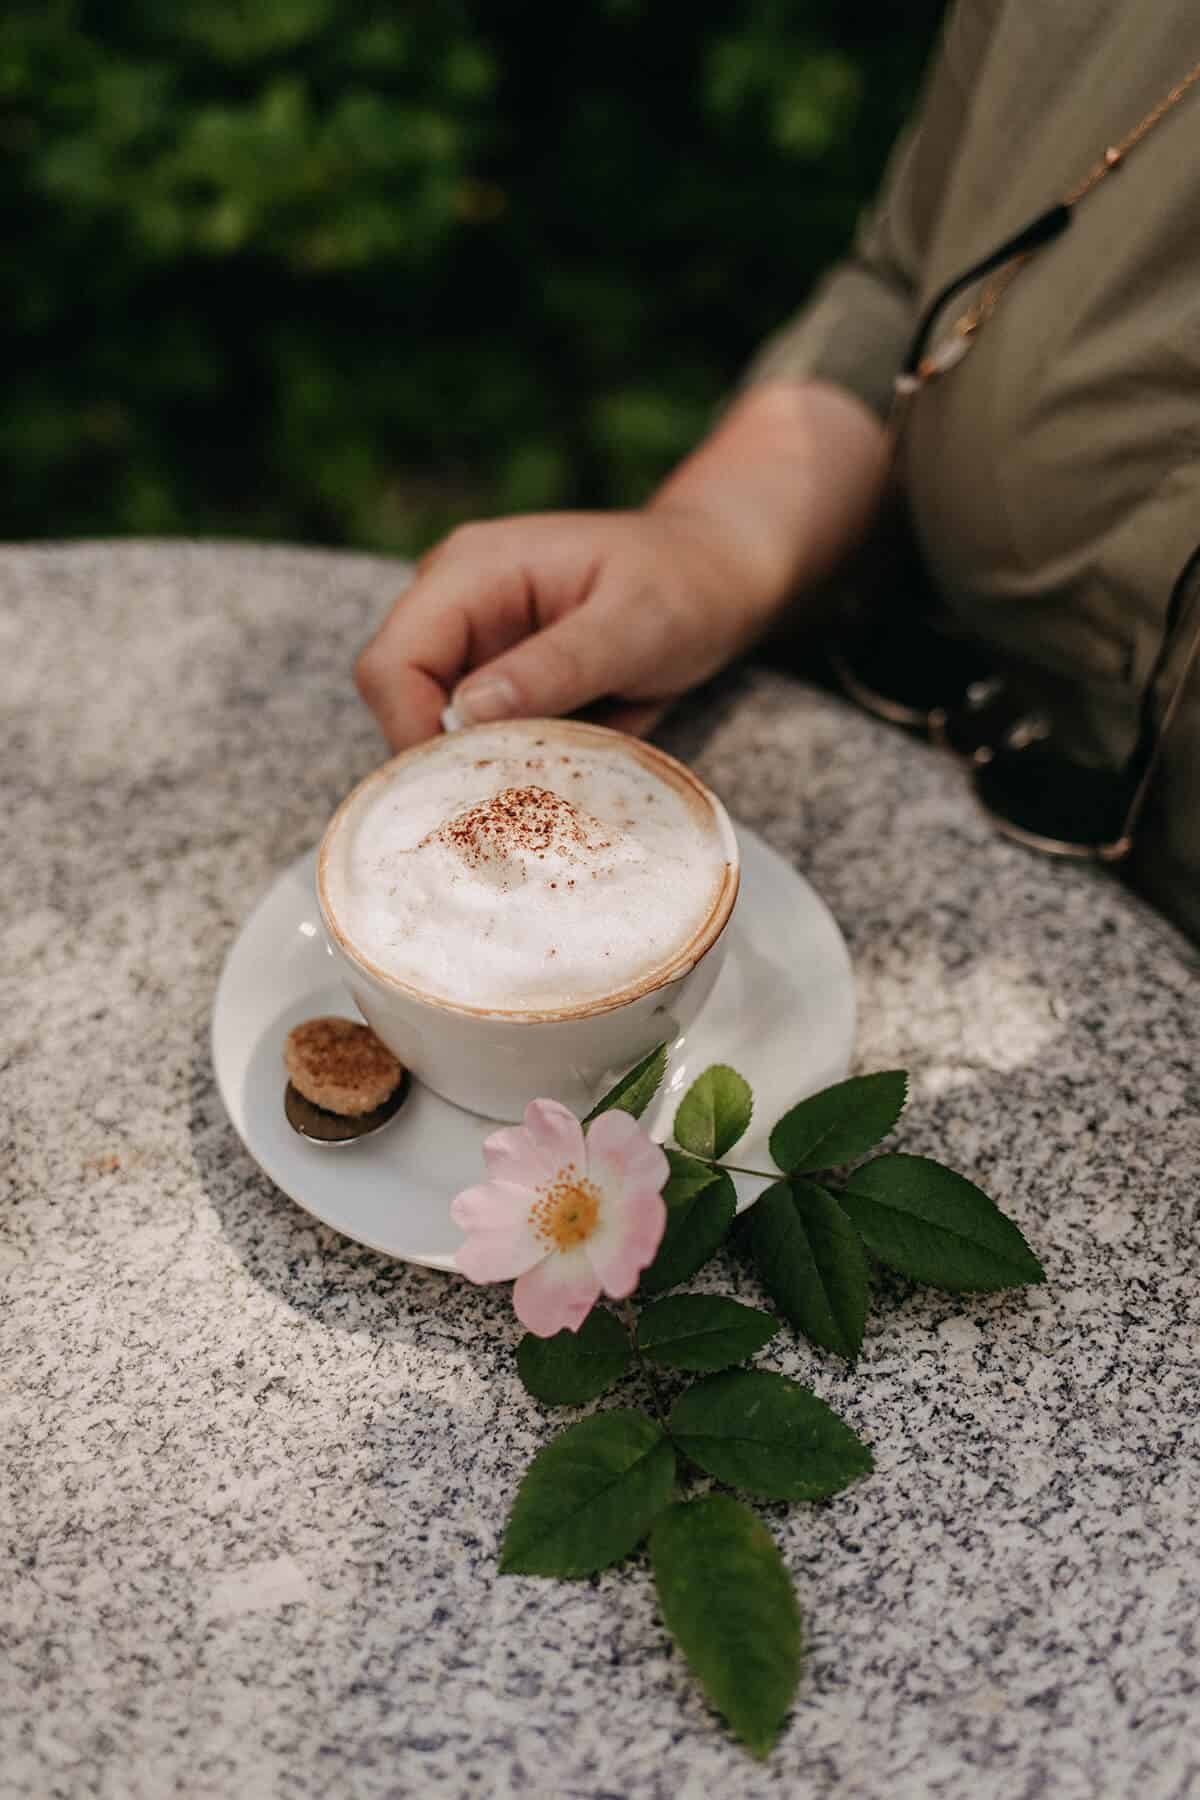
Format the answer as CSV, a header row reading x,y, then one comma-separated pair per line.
x,y
523,867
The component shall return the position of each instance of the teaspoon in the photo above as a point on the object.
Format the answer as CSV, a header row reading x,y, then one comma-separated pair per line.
x,y
321,1127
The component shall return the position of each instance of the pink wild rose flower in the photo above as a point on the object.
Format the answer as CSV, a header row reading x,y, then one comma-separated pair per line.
x,y
570,1217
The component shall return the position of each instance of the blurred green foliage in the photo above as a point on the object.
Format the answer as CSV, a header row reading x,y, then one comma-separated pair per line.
x,y
345,272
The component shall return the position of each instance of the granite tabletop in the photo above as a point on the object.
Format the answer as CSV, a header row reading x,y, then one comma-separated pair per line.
x,y
253,1474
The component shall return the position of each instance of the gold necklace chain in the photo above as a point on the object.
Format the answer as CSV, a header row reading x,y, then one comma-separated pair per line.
x,y
957,344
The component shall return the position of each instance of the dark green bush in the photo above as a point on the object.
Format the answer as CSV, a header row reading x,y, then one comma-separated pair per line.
x,y
332,271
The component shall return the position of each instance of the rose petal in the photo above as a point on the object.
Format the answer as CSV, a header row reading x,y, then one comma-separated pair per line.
x,y
511,1155
557,1133
557,1295
534,1153
492,1206
617,1146
626,1240
500,1243
630,1170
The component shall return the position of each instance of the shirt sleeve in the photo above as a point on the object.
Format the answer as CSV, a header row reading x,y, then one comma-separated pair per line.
x,y
856,327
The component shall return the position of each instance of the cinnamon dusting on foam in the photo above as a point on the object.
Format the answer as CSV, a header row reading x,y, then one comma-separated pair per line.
x,y
517,823
462,875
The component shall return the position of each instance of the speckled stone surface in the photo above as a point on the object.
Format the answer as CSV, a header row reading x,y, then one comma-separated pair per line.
x,y
252,1475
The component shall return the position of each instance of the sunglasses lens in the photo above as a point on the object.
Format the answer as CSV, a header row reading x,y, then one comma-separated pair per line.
x,y
1060,804
979,721
912,667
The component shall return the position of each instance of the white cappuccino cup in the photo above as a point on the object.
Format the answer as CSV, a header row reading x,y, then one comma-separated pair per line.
x,y
522,910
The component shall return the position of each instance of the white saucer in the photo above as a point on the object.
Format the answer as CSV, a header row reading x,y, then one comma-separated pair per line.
x,y
782,1013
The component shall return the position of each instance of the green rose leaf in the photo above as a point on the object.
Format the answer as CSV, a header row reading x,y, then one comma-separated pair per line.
x,y
811,1261
729,1604
699,1331
589,1497
767,1434
634,1092
840,1123
574,1366
701,1203
936,1226
714,1112
687,1178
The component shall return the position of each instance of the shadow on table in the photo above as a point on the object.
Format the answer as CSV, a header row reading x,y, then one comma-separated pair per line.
x,y
294,1256
347,1287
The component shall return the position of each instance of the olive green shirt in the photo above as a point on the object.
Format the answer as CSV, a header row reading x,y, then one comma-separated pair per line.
x,y
1053,475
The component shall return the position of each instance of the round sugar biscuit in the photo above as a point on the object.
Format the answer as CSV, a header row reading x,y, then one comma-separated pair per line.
x,y
340,1066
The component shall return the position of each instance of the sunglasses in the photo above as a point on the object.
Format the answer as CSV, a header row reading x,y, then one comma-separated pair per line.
x,y
922,672
915,674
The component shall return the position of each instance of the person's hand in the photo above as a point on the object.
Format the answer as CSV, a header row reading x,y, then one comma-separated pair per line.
x,y
536,616
546,614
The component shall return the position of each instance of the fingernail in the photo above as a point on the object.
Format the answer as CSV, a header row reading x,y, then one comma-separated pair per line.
x,y
480,702
451,719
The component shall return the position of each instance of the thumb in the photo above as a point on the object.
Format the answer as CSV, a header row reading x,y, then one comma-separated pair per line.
x,y
608,645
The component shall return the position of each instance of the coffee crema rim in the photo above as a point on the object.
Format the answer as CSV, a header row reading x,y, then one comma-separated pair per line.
x,y
662,764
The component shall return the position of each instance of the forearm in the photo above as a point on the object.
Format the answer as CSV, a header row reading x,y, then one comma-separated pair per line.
x,y
792,476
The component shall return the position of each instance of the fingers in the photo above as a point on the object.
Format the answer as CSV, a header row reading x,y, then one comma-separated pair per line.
x,y
524,617
455,612
407,702
615,642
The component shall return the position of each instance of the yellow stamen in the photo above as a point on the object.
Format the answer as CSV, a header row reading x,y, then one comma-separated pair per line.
x,y
566,1211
